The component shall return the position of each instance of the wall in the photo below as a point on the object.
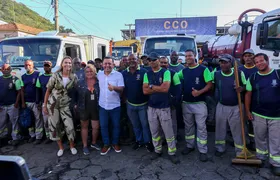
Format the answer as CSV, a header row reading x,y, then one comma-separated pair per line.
x,y
7,34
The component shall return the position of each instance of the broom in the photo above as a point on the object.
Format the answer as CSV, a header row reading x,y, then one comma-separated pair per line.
x,y
245,157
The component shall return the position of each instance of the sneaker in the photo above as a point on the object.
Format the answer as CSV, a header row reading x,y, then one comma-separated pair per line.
x,y
276,170
155,156
60,152
85,151
219,154
149,147
136,146
14,142
73,151
117,148
31,140
187,150
48,141
203,157
37,141
95,146
174,159
105,150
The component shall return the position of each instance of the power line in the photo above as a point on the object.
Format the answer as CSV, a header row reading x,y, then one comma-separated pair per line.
x,y
36,6
75,20
45,15
39,2
71,23
101,30
117,10
133,11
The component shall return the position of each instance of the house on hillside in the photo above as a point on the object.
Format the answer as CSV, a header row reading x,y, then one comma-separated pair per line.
x,y
17,30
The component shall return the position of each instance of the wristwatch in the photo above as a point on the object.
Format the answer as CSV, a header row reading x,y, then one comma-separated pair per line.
x,y
150,86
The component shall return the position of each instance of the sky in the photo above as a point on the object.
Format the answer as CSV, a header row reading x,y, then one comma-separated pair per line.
x,y
107,17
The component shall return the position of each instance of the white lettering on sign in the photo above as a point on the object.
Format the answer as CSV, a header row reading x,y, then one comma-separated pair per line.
x,y
275,61
175,24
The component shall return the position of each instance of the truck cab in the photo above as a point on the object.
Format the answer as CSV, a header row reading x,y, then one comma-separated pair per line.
x,y
44,46
164,45
266,36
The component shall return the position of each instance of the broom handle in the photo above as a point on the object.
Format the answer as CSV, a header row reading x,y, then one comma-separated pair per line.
x,y
240,106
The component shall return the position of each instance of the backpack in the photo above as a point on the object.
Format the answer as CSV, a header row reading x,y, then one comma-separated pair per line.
x,y
25,118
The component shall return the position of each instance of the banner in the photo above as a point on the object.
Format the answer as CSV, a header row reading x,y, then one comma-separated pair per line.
x,y
173,26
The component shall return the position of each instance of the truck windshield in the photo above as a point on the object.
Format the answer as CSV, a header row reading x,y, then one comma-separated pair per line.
x,y
273,40
165,45
16,51
119,52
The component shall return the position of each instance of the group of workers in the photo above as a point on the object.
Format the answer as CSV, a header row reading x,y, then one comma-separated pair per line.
x,y
153,92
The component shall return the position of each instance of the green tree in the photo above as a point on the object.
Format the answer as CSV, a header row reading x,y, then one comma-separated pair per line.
x,y
11,10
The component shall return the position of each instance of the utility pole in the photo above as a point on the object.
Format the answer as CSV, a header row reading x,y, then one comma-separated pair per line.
x,y
56,14
129,25
181,8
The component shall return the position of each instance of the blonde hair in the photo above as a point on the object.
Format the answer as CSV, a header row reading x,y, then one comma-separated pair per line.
x,y
91,67
61,67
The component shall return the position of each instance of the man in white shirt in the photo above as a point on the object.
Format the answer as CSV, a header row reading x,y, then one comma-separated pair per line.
x,y
111,86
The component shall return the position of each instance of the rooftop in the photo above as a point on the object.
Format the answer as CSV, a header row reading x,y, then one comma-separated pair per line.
x,y
20,27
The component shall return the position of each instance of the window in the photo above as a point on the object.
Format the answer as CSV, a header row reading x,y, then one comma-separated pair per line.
x,y
16,51
273,36
72,50
165,45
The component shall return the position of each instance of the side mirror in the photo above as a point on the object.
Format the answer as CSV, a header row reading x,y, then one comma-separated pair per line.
x,y
262,34
14,167
265,33
134,46
205,51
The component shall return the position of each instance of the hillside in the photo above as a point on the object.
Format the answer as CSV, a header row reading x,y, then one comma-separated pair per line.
x,y
24,15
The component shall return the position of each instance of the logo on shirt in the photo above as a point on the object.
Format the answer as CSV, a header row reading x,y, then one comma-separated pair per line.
x,y
197,80
10,85
138,77
274,83
160,80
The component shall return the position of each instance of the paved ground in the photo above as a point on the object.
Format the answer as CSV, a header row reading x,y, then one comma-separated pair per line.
x,y
44,164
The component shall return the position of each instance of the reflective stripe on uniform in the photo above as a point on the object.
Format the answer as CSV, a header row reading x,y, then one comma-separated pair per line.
x,y
275,158
172,150
31,129
156,139
4,130
189,137
220,142
39,130
261,152
201,141
238,146
158,148
170,139
251,135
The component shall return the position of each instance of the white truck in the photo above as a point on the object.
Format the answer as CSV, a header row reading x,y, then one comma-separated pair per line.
x,y
50,46
262,35
164,45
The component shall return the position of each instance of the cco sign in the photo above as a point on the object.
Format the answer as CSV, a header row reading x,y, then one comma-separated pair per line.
x,y
175,24
172,26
